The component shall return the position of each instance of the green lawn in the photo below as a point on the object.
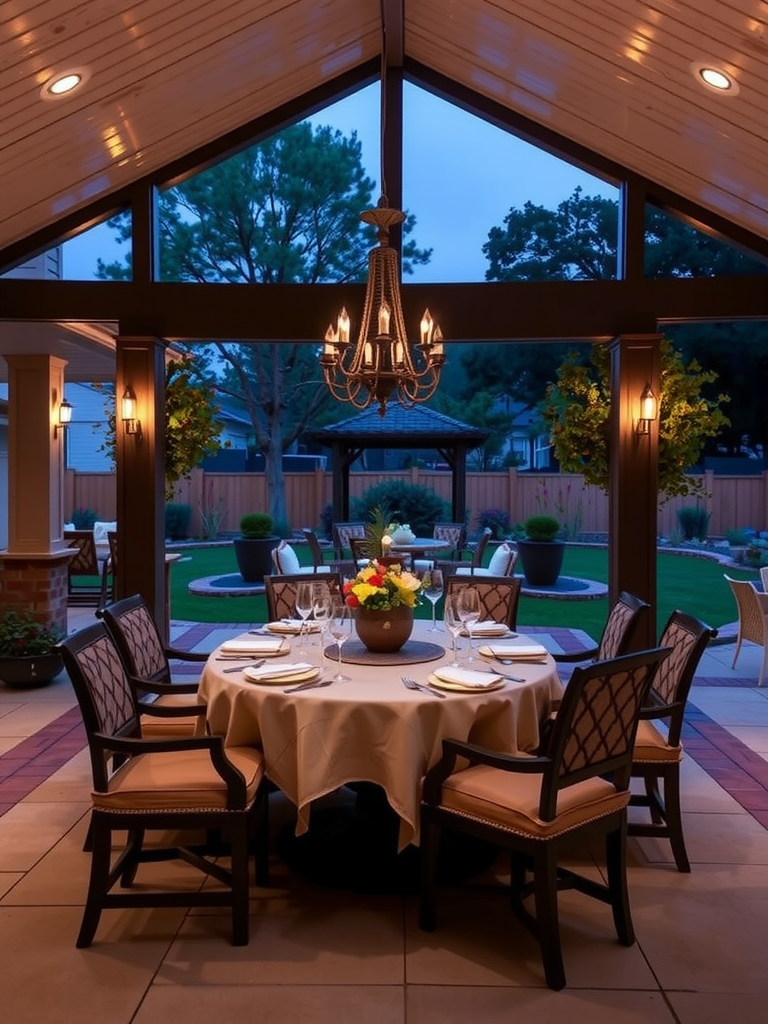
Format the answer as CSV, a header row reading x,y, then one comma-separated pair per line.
x,y
694,585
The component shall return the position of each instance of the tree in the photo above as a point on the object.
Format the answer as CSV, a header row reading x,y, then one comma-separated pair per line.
x,y
577,408
191,430
479,411
284,211
578,241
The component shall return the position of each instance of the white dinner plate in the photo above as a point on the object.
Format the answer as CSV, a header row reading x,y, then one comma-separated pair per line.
x,y
486,631
274,678
446,684
524,654
254,648
291,626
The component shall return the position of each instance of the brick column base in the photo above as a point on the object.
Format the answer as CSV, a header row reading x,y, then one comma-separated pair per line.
x,y
36,584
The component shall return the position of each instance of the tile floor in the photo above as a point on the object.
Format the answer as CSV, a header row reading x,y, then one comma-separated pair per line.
x,y
318,956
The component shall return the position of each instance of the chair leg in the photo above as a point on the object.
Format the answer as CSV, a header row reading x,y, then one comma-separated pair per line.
x,y
430,844
654,799
259,822
548,925
675,820
239,872
98,884
761,677
616,865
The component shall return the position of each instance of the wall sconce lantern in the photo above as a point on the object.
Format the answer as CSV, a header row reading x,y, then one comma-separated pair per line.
x,y
128,412
65,417
649,410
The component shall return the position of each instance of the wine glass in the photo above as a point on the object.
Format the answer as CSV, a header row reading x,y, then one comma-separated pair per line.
x,y
340,628
304,604
321,611
453,624
469,613
432,582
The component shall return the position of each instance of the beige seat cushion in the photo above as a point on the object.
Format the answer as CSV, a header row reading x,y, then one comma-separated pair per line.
x,y
183,780
186,725
511,801
651,745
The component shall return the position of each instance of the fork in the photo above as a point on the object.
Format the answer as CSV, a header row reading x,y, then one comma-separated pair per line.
x,y
315,684
239,668
411,684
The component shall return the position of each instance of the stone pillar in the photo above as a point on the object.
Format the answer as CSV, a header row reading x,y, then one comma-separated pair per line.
x,y
33,570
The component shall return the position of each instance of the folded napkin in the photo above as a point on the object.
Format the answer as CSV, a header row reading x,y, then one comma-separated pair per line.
x,y
273,671
291,626
238,646
467,677
489,628
518,650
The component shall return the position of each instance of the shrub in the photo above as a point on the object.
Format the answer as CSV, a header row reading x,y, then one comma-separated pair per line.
x,y
498,521
737,538
326,521
178,516
21,635
255,525
694,522
405,503
542,528
84,518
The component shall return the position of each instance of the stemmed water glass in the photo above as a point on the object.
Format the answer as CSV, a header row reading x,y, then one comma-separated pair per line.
x,y
303,604
340,628
432,582
453,624
469,613
321,611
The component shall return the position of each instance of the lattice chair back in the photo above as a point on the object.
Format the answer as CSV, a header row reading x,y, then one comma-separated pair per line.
x,y
342,533
135,632
455,534
104,693
687,638
281,592
621,625
499,596
594,730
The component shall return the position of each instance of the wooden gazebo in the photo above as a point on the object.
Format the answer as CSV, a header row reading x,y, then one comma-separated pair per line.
x,y
408,429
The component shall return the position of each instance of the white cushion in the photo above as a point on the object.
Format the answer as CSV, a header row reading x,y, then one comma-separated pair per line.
x,y
68,527
100,531
287,560
500,560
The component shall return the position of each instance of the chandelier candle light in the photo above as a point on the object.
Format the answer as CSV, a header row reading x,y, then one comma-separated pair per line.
x,y
383,363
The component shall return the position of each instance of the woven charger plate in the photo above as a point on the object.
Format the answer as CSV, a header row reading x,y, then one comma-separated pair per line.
x,y
354,652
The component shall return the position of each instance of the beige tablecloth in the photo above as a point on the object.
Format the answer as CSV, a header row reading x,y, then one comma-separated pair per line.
x,y
372,728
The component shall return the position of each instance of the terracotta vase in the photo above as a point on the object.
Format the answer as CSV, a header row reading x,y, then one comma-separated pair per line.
x,y
384,631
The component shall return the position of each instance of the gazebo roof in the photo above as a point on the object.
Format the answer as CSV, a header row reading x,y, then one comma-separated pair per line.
x,y
417,427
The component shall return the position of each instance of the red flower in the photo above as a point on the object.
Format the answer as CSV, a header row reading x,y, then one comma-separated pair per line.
x,y
375,581
351,601
348,586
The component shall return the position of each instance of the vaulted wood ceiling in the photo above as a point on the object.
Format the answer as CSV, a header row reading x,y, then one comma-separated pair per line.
x,y
170,76
175,82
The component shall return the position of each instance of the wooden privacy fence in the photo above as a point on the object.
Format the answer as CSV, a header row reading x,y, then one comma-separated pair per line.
x,y
735,502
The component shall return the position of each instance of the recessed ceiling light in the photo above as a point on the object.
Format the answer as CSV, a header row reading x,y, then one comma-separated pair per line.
x,y
714,78
64,83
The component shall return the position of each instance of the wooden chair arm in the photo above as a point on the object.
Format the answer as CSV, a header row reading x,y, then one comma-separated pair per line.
x,y
584,655
178,655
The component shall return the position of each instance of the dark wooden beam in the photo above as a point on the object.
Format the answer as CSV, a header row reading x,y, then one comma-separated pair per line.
x,y
497,311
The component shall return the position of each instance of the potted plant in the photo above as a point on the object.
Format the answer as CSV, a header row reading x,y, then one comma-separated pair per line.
x,y
253,549
541,552
382,598
29,650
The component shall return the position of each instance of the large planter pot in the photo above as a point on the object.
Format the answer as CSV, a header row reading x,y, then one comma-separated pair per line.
x,y
542,561
384,631
254,557
30,669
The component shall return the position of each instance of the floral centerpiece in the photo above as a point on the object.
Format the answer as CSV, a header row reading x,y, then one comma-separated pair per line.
x,y
383,598
382,587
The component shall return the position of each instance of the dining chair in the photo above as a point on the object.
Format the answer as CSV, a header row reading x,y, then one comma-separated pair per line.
x,y
147,661
752,607
184,784
87,581
499,595
656,756
456,533
286,562
536,806
345,565
478,552
342,532
280,592
618,633
502,563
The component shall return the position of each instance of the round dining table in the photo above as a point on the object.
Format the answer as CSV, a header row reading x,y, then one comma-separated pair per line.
x,y
371,728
